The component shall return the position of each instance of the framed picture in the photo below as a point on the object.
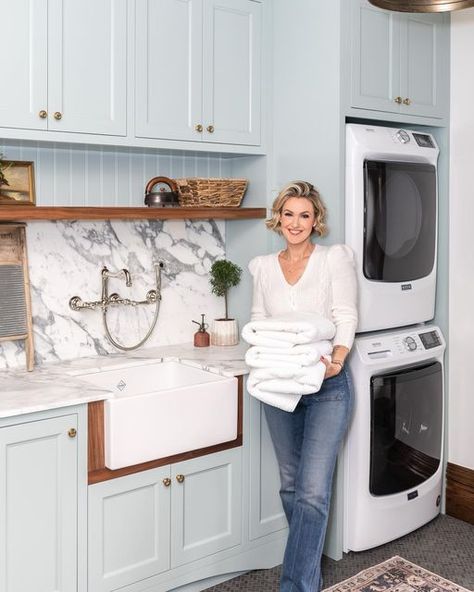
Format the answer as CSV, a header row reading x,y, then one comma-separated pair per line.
x,y
20,187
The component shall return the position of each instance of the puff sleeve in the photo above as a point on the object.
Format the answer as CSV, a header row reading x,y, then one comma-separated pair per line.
x,y
257,312
343,283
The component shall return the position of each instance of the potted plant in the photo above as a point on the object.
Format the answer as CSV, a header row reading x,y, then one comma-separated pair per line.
x,y
224,275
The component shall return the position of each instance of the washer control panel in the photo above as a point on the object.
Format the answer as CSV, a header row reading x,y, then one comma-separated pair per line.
x,y
400,344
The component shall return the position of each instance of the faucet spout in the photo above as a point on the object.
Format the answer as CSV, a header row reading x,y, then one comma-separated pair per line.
x,y
121,272
128,277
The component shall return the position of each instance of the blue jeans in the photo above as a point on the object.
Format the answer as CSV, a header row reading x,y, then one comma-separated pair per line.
x,y
306,443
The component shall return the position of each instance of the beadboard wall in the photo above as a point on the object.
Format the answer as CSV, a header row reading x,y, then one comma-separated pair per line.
x,y
65,258
82,175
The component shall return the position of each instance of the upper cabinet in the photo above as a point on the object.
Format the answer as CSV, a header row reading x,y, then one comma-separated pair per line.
x,y
399,61
66,66
198,70
173,74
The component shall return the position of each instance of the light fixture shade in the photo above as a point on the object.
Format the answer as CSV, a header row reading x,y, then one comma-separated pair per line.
x,y
423,5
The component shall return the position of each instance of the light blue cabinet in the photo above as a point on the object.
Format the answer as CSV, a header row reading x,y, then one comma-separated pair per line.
x,y
206,85
399,63
148,523
58,80
206,505
39,506
129,529
266,510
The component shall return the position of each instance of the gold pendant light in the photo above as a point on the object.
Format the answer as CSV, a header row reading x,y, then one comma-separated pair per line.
x,y
423,5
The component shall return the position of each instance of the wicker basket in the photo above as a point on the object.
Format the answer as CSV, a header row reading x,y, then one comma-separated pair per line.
x,y
211,193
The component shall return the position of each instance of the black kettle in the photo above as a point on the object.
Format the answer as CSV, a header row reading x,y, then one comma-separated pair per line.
x,y
162,198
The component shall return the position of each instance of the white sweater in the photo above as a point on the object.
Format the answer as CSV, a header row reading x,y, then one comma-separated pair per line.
x,y
328,287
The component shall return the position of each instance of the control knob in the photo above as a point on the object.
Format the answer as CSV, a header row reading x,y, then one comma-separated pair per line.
x,y
410,343
402,137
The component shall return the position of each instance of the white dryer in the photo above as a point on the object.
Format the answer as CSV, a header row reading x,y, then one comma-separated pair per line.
x,y
393,450
391,223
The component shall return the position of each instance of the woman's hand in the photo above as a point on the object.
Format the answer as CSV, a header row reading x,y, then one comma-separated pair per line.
x,y
331,369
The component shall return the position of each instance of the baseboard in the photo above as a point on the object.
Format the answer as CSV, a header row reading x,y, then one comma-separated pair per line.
x,y
460,492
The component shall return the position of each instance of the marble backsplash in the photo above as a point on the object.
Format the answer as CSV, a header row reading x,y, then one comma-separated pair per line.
x,y
66,258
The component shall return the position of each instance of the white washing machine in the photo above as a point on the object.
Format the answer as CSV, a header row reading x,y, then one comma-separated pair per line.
x,y
391,223
393,450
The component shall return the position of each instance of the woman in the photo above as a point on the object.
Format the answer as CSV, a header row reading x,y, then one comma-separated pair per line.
x,y
305,277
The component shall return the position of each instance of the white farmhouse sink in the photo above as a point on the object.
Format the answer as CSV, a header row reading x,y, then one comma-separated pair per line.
x,y
164,408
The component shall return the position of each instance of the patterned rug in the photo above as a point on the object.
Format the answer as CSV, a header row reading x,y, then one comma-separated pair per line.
x,y
396,575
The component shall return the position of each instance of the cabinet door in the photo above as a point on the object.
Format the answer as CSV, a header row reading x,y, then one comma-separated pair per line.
x,y
23,51
129,529
168,66
38,506
375,57
87,66
206,505
424,46
266,510
232,71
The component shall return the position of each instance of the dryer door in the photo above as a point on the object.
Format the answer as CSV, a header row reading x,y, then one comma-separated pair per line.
x,y
399,220
406,427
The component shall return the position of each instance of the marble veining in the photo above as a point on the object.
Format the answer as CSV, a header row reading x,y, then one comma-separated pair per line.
x,y
65,259
55,385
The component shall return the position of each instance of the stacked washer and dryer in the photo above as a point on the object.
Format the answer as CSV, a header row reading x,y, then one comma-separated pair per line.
x,y
393,450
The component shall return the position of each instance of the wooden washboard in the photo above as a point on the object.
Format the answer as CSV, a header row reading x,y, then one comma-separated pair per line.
x,y
15,303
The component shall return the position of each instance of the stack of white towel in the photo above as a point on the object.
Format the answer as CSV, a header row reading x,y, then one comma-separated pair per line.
x,y
285,357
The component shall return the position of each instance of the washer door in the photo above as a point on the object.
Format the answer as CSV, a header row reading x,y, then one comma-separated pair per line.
x,y
399,220
406,428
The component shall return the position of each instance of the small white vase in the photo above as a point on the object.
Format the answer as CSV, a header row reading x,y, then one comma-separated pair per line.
x,y
224,332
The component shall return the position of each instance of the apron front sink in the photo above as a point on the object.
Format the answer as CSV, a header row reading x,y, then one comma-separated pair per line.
x,y
164,408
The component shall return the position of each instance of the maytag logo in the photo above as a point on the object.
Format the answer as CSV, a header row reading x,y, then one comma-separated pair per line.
x,y
406,287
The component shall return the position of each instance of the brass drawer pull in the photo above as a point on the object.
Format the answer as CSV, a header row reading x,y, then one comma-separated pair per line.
x,y
72,433
179,478
407,101
398,100
210,129
198,127
58,115
43,114
166,481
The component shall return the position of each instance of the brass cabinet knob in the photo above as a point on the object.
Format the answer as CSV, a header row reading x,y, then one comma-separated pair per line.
x,y
166,481
43,114
72,433
198,127
179,478
210,129
406,101
58,115
398,100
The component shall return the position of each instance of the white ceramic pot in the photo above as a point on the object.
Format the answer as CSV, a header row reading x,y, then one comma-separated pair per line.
x,y
224,332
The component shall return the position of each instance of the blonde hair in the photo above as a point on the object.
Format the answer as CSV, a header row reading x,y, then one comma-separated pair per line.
x,y
299,189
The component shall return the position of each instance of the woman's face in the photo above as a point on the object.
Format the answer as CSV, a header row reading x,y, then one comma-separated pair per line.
x,y
297,219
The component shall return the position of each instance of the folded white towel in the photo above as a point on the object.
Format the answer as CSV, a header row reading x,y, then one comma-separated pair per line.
x,y
309,376
285,402
284,387
291,357
292,329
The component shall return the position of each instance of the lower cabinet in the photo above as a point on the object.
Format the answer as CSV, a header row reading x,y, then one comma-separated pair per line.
x,y
266,510
39,505
147,523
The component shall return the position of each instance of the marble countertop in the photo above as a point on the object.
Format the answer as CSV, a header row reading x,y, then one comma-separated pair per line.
x,y
51,386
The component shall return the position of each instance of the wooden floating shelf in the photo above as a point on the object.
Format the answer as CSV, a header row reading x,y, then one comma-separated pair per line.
x,y
21,212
